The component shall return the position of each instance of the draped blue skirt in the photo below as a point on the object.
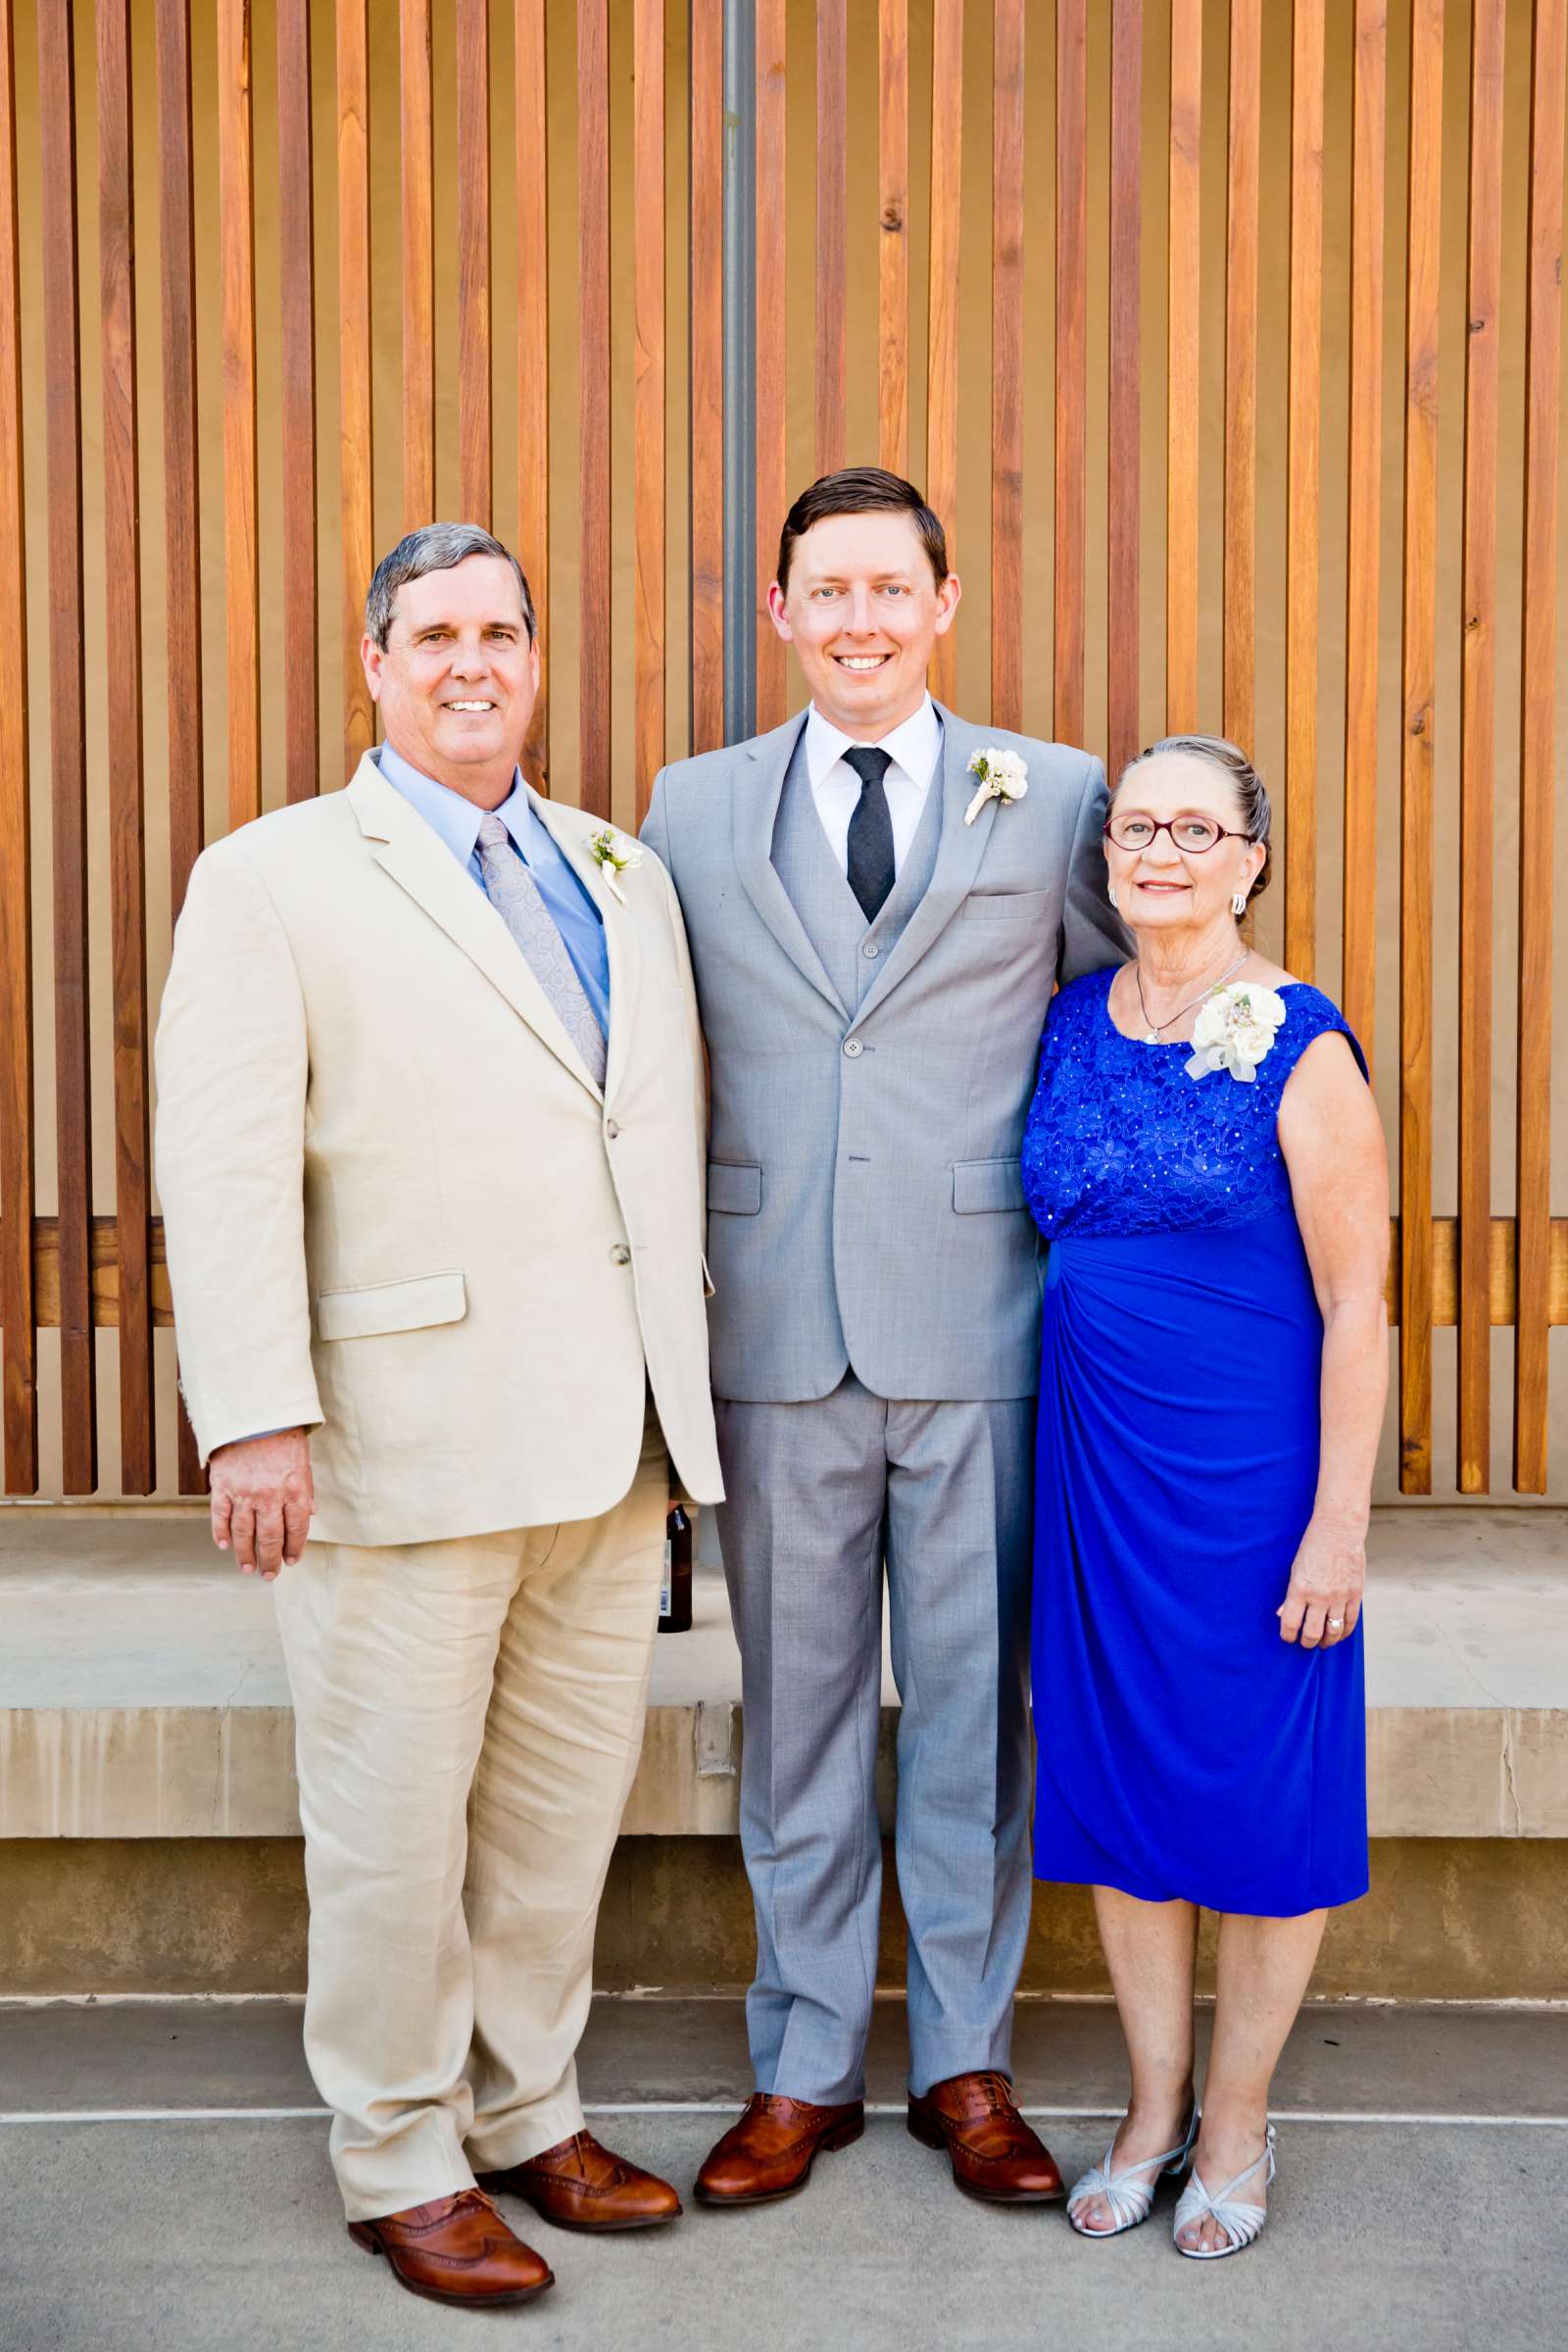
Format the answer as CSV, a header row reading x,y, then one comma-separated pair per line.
x,y
1185,1750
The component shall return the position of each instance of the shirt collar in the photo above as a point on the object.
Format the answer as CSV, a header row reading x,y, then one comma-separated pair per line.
x,y
914,745
447,812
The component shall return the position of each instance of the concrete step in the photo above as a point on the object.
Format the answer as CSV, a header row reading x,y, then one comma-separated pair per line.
x,y
142,1692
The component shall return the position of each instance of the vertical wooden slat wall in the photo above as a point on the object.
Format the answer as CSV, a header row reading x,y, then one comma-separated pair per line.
x,y
946,136
18,1332
128,871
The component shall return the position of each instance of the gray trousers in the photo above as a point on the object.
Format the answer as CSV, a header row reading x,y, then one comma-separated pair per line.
x,y
819,1495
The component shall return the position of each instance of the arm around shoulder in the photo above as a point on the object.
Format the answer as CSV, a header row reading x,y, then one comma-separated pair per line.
x,y
1092,932
232,1061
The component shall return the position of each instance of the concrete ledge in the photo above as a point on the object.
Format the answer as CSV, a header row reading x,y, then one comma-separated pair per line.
x,y
142,1692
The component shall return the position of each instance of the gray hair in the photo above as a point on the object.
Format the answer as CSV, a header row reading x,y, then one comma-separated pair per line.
x,y
1232,763
437,546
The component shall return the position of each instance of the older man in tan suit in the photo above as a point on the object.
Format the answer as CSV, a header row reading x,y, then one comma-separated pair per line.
x,y
429,1145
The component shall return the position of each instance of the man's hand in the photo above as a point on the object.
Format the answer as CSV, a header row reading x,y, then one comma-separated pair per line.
x,y
263,1498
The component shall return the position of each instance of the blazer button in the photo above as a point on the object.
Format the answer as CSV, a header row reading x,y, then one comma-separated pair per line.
x,y
871,950
611,1128
852,1048
620,1255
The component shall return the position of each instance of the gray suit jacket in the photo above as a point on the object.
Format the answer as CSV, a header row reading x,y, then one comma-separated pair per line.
x,y
865,1208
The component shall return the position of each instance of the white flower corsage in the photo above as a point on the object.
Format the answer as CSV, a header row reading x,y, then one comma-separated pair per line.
x,y
1235,1028
1003,777
614,854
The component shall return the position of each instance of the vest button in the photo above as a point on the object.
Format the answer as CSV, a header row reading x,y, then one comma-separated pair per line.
x,y
620,1255
852,1048
871,950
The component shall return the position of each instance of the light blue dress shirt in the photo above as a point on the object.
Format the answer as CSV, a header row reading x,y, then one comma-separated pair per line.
x,y
457,822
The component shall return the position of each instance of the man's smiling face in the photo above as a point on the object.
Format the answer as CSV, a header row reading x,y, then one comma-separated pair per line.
x,y
863,609
458,678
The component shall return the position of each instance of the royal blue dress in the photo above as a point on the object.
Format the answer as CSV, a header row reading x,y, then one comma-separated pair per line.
x,y
1184,1749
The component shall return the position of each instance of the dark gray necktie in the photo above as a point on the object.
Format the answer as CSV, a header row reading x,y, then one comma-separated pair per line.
x,y
870,846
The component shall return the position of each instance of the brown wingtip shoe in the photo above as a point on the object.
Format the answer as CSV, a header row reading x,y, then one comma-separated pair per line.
x,y
993,2151
580,2185
456,2250
770,2151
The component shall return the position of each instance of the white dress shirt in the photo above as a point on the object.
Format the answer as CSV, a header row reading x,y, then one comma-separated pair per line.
x,y
914,753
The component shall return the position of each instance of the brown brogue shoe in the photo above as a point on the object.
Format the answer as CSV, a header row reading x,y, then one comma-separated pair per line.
x,y
770,2153
456,2250
993,2151
580,2186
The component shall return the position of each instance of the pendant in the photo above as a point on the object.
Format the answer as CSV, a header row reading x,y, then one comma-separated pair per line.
x,y
1152,1038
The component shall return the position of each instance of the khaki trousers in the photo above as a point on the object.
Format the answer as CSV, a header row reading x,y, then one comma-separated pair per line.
x,y
469,1719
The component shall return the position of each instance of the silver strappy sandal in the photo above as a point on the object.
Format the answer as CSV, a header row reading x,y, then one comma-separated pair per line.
x,y
1128,2195
1240,2218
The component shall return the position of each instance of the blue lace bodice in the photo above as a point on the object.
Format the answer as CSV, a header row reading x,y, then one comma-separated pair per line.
x,y
1120,1141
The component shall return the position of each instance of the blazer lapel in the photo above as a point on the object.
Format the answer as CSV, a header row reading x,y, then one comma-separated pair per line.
x,y
621,931
404,848
760,785
957,863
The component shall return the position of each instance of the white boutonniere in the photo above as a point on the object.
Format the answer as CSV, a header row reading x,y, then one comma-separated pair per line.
x,y
1003,777
614,854
1235,1028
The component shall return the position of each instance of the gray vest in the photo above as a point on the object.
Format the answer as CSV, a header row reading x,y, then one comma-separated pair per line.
x,y
830,914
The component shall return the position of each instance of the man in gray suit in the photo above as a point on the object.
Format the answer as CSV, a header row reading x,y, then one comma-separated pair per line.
x,y
874,958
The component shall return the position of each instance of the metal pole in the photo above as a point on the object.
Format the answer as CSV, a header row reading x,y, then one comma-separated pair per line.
x,y
740,370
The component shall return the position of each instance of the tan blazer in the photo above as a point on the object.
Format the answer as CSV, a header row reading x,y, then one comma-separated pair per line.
x,y
398,1209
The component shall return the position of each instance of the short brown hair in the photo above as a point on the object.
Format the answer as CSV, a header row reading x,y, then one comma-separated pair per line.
x,y
1232,763
862,490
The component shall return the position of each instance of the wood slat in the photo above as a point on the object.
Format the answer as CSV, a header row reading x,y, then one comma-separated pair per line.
x,y
1123,510
56,94
476,462
417,178
772,346
1537,740
19,1360
942,303
237,260
593,250
1364,503
1442,1258
647,422
1006,362
296,357
1477,757
1072,378
1183,273
529,59
832,227
707,273
1240,371
1302,490
1419,673
354,417
177,249
127,896
893,248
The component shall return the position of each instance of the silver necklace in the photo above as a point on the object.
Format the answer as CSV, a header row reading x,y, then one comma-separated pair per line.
x,y
1152,1028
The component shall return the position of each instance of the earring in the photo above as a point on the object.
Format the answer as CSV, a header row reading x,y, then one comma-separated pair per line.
x,y
1238,902
1110,892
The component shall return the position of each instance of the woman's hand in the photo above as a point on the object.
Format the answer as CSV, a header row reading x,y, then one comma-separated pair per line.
x,y
1327,1581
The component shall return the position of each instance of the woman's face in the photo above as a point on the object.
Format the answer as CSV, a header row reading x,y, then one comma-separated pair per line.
x,y
1160,884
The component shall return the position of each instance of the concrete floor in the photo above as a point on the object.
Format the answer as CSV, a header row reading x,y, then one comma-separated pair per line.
x,y
187,2233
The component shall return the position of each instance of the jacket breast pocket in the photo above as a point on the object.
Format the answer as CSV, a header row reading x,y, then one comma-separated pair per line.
x,y
734,1188
981,1185
1012,905
372,1309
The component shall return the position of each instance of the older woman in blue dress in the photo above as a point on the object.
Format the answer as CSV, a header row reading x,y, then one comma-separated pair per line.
x,y
1204,1158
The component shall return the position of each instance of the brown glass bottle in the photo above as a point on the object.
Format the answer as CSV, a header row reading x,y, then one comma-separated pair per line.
x,y
676,1592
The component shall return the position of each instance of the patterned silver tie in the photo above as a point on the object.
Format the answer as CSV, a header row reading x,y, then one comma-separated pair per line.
x,y
516,897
